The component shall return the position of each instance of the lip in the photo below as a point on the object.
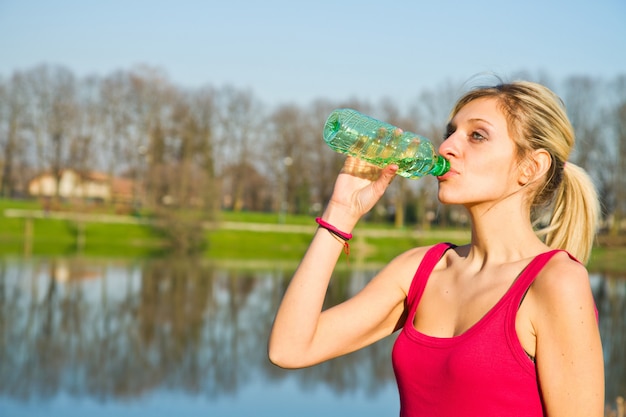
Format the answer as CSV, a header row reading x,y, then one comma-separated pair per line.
x,y
447,175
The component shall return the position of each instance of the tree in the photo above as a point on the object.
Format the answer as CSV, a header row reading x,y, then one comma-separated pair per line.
x,y
239,132
203,111
83,138
152,96
120,154
13,122
400,189
325,163
54,112
433,108
619,127
292,168
581,99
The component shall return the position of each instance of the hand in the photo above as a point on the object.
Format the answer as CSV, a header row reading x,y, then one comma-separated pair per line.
x,y
360,185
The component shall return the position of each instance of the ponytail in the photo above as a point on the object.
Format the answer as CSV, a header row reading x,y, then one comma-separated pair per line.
x,y
575,214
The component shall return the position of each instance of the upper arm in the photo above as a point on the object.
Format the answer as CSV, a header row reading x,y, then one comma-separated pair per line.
x,y
371,314
569,357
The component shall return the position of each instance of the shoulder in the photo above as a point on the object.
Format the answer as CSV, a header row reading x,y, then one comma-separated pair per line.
x,y
562,291
561,275
415,256
404,266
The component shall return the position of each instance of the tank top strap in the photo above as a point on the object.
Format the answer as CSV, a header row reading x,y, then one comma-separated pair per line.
x,y
432,256
528,275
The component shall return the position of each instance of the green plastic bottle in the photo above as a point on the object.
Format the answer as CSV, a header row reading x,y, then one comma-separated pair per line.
x,y
352,133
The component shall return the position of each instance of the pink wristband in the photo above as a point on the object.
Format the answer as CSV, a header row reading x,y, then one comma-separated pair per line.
x,y
333,229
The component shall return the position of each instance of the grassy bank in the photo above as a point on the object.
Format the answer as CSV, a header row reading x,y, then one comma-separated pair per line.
x,y
282,239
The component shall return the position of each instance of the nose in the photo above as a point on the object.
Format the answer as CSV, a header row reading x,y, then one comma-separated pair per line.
x,y
448,147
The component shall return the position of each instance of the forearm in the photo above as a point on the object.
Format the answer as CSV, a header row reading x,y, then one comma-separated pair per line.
x,y
299,337
296,323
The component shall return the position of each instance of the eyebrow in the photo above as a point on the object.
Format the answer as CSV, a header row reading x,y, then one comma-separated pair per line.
x,y
478,119
452,125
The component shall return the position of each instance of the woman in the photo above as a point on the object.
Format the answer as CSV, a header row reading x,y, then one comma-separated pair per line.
x,y
503,326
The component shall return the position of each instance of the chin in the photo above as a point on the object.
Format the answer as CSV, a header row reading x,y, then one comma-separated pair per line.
x,y
450,202
457,194
446,197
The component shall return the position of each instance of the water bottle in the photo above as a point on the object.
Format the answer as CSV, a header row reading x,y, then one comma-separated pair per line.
x,y
352,133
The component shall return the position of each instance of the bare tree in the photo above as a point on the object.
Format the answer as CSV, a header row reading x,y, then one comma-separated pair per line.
x,y
239,138
203,112
152,96
432,107
83,138
587,109
13,122
325,163
191,150
289,150
120,154
400,188
619,125
581,99
54,112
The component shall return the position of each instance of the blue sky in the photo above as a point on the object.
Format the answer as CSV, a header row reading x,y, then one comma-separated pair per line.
x,y
292,51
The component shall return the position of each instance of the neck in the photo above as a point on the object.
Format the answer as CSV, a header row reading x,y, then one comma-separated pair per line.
x,y
502,232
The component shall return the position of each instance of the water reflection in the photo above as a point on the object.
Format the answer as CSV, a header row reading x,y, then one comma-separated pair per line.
x,y
610,296
113,332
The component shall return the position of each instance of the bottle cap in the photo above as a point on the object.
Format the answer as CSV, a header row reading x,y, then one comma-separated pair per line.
x,y
442,165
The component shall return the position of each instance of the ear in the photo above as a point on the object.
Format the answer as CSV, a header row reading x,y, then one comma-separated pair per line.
x,y
535,166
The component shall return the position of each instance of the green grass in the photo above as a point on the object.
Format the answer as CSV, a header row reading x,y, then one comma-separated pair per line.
x,y
107,239
608,260
234,244
11,228
265,218
19,204
59,237
385,249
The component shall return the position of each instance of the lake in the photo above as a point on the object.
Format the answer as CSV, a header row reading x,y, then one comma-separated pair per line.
x,y
181,337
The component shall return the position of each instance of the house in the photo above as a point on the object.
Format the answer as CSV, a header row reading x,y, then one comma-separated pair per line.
x,y
94,186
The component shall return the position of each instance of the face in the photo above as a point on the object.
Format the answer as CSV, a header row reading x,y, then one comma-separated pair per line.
x,y
483,161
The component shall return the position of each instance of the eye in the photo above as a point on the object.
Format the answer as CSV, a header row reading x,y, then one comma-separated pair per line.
x,y
477,136
449,131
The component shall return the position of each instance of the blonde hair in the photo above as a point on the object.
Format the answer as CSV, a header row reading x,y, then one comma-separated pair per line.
x,y
537,119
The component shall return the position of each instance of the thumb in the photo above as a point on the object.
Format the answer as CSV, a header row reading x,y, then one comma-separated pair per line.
x,y
386,176
388,173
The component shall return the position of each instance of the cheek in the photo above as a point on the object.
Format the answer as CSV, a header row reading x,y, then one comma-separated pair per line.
x,y
498,171
487,182
495,179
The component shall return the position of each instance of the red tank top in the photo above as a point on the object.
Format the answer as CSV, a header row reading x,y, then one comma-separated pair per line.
x,y
483,372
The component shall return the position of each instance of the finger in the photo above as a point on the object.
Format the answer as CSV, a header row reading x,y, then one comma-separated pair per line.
x,y
389,173
386,176
362,169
